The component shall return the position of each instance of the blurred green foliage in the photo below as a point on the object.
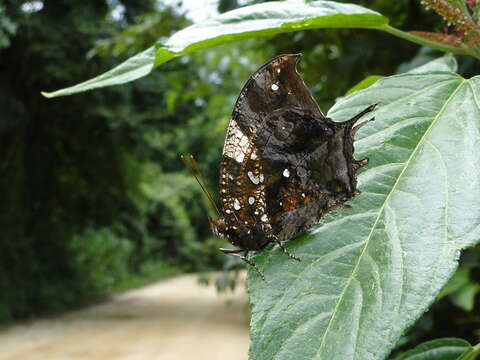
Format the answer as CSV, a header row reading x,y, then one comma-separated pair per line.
x,y
87,202
7,28
95,198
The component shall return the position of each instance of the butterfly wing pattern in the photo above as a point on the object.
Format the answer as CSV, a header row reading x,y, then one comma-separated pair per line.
x,y
284,164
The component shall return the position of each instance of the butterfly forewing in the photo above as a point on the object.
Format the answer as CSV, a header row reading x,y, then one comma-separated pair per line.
x,y
275,85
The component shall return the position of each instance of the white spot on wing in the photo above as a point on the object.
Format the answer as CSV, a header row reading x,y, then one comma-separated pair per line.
x,y
275,87
251,200
264,218
243,141
236,204
240,157
286,173
253,178
235,142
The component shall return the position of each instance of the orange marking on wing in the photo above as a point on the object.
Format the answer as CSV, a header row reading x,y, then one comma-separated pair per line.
x,y
289,204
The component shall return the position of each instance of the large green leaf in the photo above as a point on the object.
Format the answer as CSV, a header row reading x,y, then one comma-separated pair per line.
x,y
438,349
264,19
367,273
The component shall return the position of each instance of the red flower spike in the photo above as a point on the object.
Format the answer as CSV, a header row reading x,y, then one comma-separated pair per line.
x,y
452,15
471,3
449,39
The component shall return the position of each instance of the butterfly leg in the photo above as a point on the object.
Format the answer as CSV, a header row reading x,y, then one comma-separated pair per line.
x,y
339,205
235,252
357,164
285,251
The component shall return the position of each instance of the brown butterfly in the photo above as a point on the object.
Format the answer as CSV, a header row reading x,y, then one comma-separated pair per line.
x,y
284,164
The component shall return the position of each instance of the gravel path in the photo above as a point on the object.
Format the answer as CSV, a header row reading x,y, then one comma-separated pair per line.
x,y
175,319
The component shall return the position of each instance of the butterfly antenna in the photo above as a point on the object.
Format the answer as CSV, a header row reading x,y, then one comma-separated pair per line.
x,y
194,169
201,181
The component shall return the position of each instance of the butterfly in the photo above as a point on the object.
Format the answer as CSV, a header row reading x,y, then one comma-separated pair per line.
x,y
284,164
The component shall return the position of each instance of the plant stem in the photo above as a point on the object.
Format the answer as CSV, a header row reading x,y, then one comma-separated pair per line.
x,y
471,354
435,45
475,351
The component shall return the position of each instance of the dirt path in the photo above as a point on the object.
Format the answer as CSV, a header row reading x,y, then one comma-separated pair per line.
x,y
172,320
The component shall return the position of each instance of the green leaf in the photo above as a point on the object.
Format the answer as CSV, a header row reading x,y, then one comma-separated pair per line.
x,y
445,63
259,20
367,273
134,68
465,297
439,349
365,83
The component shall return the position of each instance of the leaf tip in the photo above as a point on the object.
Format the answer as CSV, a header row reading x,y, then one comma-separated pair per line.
x,y
47,94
